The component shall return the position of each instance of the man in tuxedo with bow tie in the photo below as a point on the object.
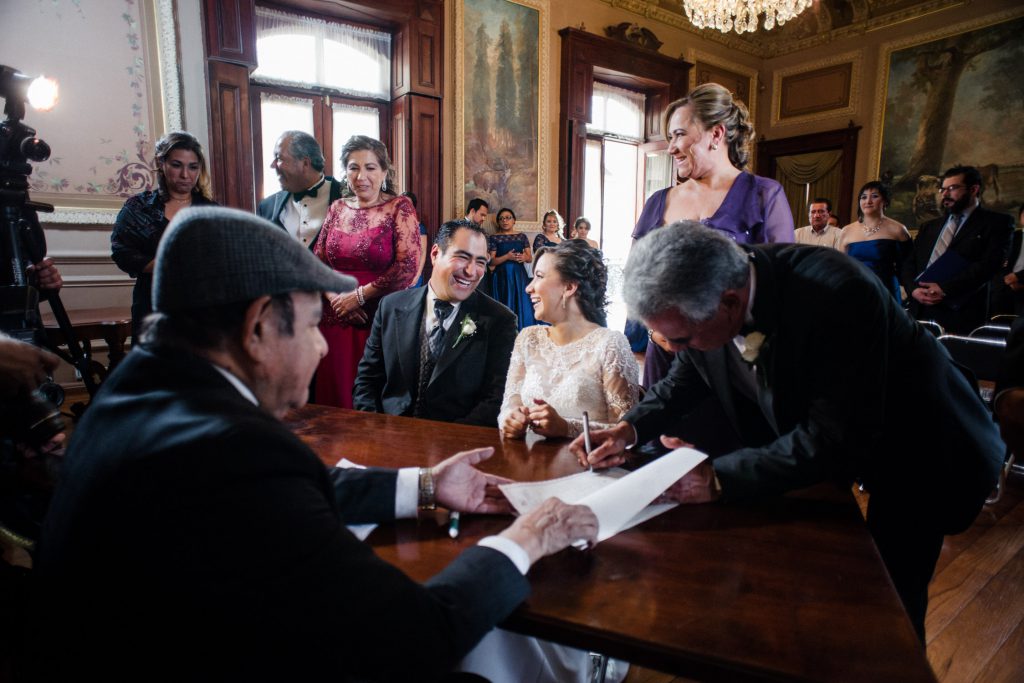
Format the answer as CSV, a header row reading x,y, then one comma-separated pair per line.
x,y
978,240
306,193
440,352
834,370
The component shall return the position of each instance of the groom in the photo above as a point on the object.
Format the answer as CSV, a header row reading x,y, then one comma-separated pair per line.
x,y
440,352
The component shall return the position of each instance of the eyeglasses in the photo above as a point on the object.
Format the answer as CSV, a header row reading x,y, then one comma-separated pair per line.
x,y
951,188
506,217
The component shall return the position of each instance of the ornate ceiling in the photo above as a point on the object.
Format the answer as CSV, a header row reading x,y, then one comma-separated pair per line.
x,y
824,22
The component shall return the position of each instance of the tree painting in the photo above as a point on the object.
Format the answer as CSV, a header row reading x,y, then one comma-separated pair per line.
x,y
955,100
501,41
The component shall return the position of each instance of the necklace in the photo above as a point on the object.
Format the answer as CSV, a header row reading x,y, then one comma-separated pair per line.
x,y
187,199
871,231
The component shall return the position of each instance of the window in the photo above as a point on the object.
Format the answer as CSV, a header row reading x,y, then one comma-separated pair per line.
x,y
611,193
329,79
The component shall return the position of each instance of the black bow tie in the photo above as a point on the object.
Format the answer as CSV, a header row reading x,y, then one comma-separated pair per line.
x,y
311,192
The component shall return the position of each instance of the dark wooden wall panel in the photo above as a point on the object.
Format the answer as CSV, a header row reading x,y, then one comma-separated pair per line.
x,y
231,136
231,30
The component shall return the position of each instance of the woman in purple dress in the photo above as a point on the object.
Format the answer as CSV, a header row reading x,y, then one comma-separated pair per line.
x,y
372,235
709,135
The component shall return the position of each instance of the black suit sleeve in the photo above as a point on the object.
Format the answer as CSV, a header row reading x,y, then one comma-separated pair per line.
x,y
371,375
364,495
916,260
501,337
679,392
337,595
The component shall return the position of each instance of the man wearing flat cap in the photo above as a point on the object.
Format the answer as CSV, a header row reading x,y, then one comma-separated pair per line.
x,y
194,537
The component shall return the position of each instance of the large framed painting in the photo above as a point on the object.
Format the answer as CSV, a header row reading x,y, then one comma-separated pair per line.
x,y
952,97
119,92
501,122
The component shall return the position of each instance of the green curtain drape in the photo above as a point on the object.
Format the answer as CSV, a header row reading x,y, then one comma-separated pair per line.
x,y
820,170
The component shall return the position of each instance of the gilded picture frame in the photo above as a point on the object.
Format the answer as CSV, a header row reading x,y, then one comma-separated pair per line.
x,y
971,62
501,95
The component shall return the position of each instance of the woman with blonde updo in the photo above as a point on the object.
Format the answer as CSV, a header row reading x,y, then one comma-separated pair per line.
x,y
709,135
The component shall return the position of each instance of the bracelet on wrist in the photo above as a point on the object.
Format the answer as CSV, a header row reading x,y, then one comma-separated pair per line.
x,y
360,298
427,499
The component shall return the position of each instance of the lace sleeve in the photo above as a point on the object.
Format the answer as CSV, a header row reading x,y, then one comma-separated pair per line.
x,y
402,271
514,382
620,382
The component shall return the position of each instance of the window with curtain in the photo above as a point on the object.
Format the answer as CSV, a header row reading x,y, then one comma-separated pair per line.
x,y
327,78
616,112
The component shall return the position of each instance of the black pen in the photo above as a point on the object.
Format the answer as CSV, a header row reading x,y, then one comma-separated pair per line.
x,y
586,438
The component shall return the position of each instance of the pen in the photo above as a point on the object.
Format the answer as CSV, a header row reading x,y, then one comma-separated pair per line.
x,y
453,524
586,436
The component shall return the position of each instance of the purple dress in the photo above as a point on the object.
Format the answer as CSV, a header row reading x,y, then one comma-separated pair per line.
x,y
755,211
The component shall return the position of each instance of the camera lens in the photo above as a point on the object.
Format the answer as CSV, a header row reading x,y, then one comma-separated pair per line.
x,y
35,149
52,393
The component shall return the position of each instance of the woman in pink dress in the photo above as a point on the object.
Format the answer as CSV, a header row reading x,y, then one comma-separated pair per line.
x,y
372,235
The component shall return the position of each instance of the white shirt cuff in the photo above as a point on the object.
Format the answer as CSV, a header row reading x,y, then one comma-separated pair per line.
x,y
509,549
407,493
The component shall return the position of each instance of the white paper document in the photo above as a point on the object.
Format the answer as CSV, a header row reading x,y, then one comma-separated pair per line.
x,y
620,499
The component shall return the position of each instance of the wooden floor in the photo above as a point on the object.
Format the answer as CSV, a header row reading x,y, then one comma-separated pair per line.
x,y
975,622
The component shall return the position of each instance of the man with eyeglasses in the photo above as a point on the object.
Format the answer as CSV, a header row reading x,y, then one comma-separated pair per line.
x,y
955,257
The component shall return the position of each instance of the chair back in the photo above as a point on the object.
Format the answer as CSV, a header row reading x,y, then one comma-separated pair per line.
x,y
1003,319
980,355
991,331
932,327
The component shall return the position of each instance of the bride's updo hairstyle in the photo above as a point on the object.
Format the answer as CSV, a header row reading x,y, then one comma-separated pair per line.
x,y
713,104
578,262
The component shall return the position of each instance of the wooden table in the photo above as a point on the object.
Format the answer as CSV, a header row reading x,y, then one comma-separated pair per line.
x,y
113,325
788,589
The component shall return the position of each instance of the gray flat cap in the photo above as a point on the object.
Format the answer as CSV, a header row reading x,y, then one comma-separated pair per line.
x,y
212,255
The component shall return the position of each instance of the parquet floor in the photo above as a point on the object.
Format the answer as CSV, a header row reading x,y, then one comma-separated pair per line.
x,y
975,622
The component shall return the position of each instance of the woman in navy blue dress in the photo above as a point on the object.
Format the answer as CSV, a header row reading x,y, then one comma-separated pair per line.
x,y
876,240
508,251
551,225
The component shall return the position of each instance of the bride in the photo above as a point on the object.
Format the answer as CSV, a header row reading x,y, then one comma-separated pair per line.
x,y
576,364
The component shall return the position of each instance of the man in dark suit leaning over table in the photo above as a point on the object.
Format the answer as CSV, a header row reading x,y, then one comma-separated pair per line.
x,y
195,537
306,193
440,352
840,376
978,240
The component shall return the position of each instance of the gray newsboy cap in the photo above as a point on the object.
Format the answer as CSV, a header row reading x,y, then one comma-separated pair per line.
x,y
211,255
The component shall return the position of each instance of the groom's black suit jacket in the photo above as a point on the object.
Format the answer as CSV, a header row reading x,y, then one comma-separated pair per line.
x,y
467,382
984,242
272,207
855,387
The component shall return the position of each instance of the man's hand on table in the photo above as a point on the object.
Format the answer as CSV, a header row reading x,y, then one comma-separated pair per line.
x,y
551,527
609,446
699,485
461,486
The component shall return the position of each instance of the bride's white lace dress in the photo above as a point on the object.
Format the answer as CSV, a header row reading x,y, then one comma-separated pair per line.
x,y
597,373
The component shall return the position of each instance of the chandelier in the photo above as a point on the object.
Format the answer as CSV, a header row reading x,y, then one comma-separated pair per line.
x,y
741,15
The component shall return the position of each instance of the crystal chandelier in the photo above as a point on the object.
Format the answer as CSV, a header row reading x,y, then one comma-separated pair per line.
x,y
741,15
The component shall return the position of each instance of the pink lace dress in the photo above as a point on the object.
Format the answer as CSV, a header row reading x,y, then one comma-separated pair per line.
x,y
378,246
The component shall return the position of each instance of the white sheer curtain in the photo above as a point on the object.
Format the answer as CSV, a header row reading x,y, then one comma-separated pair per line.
x,y
299,50
349,120
617,111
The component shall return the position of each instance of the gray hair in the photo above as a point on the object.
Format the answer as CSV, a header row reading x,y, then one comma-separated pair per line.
x,y
684,267
304,146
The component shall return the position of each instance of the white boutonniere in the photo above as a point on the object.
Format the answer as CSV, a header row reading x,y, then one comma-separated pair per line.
x,y
752,346
467,328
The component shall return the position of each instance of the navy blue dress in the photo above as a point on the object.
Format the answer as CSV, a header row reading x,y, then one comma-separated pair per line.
x,y
509,282
883,257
